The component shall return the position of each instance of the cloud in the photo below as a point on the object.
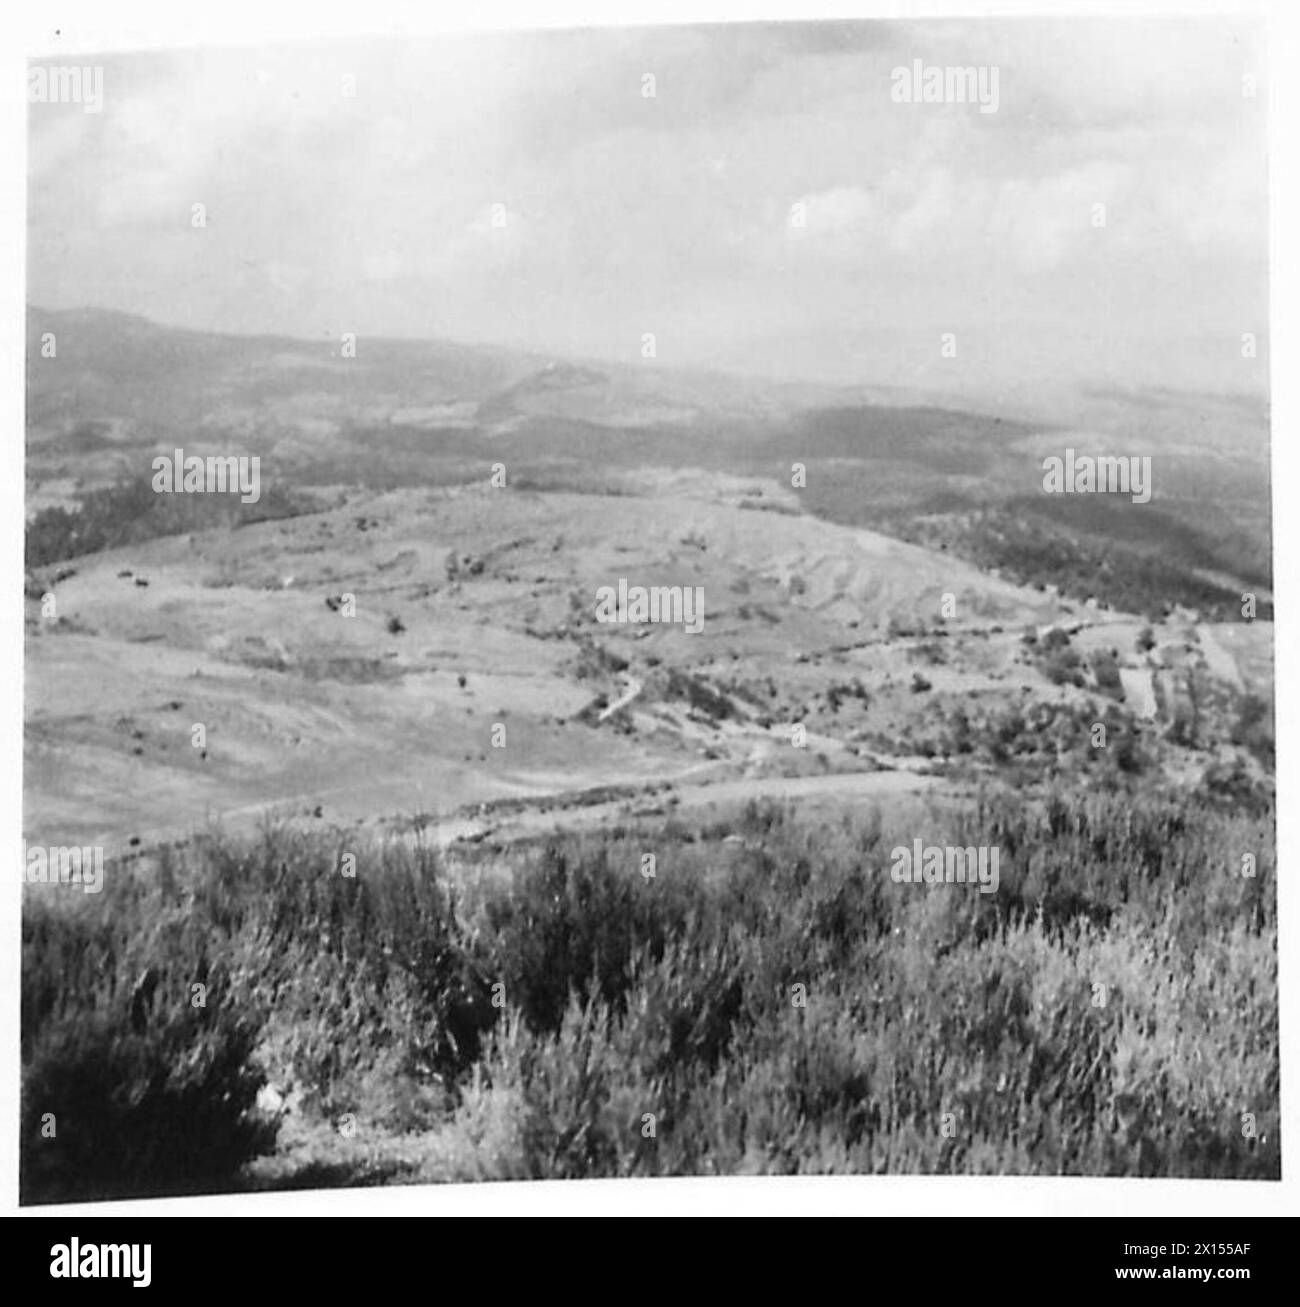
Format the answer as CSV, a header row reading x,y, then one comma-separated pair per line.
x,y
842,210
356,182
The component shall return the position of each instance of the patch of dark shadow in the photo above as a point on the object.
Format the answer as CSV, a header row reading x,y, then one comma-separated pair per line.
x,y
1110,517
357,671
266,662
698,694
942,440
594,660
74,626
746,611
575,481
587,798
589,713
1087,550
1057,908
132,512
274,1174
406,558
771,506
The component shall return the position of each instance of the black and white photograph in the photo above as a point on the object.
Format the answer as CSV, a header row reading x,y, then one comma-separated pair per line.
x,y
631,601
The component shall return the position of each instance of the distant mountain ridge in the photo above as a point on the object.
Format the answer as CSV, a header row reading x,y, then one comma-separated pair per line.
x,y
395,412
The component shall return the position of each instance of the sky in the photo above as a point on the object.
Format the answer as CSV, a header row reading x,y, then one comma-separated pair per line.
x,y
770,209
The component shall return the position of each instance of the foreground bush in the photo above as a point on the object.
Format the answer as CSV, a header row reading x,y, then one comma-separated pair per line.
x,y
163,1111
770,1001
138,1043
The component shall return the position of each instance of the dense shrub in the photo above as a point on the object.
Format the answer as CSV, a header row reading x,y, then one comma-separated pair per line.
x,y
167,1109
1105,670
133,511
138,1039
768,1001
1063,667
1253,729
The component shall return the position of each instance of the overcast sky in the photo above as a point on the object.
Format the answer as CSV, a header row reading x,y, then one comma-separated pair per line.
x,y
673,214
